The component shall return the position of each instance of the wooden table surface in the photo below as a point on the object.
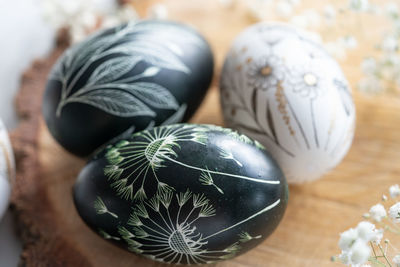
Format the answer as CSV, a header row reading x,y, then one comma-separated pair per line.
x,y
54,234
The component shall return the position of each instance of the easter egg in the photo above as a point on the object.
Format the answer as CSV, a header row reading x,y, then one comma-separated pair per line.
x,y
126,79
183,193
7,169
280,87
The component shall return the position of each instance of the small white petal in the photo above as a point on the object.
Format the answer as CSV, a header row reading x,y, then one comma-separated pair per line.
x,y
396,260
394,191
284,9
367,232
394,212
370,84
369,66
227,3
377,212
360,252
359,5
390,44
392,10
347,239
329,12
158,11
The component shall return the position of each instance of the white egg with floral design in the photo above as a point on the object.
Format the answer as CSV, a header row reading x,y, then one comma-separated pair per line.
x,y
280,87
7,169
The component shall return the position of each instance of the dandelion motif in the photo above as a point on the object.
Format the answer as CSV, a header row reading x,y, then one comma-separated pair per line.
x,y
265,72
101,208
170,235
246,237
131,162
206,179
106,235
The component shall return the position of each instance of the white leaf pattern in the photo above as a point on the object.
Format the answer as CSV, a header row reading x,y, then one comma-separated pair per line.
x,y
154,54
108,87
153,94
115,102
113,69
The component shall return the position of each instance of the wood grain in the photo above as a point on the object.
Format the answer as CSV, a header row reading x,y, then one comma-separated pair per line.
x,y
54,235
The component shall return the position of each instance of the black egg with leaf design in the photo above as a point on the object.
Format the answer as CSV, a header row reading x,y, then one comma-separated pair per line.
x,y
126,79
183,193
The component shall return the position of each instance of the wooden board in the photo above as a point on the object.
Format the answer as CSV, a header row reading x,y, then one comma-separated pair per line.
x,y
54,235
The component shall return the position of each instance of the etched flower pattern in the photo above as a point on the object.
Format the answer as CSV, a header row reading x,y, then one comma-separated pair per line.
x,y
265,72
306,81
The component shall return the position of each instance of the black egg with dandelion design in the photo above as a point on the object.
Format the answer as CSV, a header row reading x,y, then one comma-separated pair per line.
x,y
183,193
126,79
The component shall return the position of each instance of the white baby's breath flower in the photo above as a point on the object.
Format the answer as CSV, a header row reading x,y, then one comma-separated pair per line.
x,y
384,198
396,260
158,11
347,239
369,66
294,2
329,13
359,5
255,10
392,10
394,191
394,212
377,212
370,84
390,44
227,3
360,252
284,9
367,232
349,42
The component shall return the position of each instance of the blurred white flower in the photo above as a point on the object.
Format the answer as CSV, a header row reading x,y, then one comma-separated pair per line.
x,y
294,2
377,212
360,252
359,5
255,10
370,84
158,11
394,191
354,243
348,238
123,14
390,44
82,17
300,21
350,42
329,13
227,3
384,198
369,66
396,260
394,212
367,232
284,8
392,10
